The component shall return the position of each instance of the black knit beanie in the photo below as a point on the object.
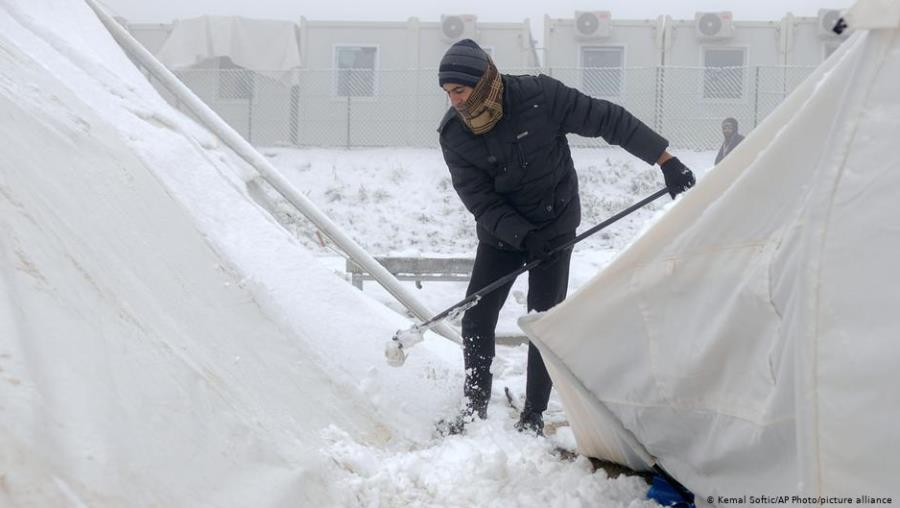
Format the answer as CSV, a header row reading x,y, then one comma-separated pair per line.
x,y
464,63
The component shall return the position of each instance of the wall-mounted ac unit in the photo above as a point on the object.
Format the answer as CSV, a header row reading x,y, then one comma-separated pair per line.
x,y
827,19
591,24
458,26
714,25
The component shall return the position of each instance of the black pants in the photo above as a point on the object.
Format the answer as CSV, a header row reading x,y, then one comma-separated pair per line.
x,y
547,286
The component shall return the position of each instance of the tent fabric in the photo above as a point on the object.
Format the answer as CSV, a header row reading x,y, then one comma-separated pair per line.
x,y
121,330
269,47
116,357
748,339
150,352
874,14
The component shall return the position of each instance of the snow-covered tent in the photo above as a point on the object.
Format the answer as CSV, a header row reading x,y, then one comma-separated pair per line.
x,y
750,339
163,342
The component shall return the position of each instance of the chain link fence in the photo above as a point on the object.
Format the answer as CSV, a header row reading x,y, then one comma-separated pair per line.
x,y
368,108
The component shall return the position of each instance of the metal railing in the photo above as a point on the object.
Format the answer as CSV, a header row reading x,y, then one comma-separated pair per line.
x,y
365,107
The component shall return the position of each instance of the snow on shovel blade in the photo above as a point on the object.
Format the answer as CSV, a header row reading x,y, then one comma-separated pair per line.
x,y
395,349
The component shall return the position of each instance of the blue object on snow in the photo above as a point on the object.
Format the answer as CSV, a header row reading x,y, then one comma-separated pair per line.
x,y
665,494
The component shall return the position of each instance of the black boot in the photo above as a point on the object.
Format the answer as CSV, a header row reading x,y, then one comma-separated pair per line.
x,y
477,390
530,421
455,425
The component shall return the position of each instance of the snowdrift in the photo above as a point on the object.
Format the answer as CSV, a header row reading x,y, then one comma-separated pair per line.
x,y
749,339
162,341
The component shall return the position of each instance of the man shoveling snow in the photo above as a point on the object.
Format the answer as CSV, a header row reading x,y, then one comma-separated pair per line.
x,y
504,143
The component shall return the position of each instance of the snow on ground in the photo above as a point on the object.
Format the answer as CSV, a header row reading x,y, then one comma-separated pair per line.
x,y
417,213
164,341
491,466
399,202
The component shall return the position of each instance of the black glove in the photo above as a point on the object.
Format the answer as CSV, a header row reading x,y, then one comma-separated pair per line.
x,y
678,177
537,246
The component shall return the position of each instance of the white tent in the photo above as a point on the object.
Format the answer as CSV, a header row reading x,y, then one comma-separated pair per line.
x,y
271,47
163,342
749,340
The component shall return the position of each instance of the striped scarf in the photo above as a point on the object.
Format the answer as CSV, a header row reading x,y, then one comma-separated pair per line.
x,y
484,108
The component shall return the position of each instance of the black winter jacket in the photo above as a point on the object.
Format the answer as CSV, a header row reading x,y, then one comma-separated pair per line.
x,y
519,176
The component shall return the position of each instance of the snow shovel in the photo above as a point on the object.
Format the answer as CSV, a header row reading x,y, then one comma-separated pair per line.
x,y
395,349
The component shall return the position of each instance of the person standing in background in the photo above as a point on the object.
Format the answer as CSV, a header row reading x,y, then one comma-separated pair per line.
x,y
732,138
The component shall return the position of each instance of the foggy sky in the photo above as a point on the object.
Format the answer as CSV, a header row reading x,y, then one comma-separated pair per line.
x,y
486,10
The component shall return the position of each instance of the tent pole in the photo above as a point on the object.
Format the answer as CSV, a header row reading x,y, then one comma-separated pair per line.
x,y
246,151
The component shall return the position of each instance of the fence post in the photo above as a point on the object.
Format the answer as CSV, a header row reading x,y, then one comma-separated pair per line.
x,y
660,99
756,100
294,122
348,120
784,73
250,105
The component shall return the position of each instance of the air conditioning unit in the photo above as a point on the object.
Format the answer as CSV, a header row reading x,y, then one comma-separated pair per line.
x,y
828,18
591,24
714,25
458,27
